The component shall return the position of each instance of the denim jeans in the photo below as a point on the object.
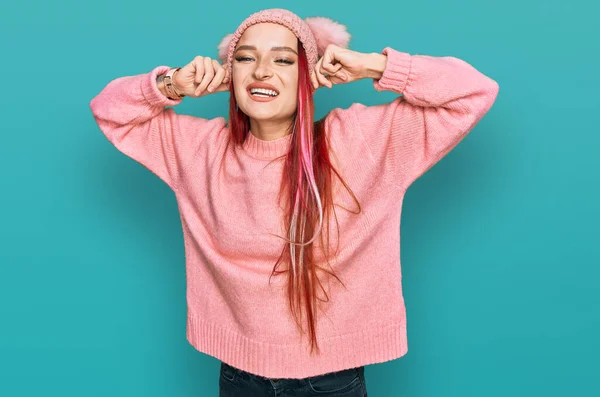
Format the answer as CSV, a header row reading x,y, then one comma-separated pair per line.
x,y
234,382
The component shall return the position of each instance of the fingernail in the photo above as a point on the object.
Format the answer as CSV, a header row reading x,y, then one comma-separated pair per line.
x,y
342,76
210,89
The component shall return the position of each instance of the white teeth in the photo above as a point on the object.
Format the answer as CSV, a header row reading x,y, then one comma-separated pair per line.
x,y
263,91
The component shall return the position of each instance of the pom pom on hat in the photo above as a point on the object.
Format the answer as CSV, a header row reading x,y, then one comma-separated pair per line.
x,y
327,31
224,47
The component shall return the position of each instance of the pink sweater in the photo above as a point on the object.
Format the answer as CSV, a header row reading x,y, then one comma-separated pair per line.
x,y
227,203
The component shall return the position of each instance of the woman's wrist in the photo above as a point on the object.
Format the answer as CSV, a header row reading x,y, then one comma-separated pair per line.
x,y
161,84
374,65
171,92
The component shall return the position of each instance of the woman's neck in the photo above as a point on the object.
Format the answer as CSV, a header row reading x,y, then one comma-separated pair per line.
x,y
270,130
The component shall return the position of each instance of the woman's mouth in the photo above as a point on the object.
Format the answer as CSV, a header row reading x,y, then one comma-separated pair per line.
x,y
262,94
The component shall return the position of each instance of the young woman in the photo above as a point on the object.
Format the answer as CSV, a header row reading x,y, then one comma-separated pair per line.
x,y
291,227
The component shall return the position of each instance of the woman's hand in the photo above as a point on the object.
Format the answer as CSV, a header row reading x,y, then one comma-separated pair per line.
x,y
340,65
200,77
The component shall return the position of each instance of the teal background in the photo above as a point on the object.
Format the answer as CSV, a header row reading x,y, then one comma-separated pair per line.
x,y
500,250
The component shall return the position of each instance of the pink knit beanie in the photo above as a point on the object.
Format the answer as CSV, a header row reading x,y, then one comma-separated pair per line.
x,y
314,33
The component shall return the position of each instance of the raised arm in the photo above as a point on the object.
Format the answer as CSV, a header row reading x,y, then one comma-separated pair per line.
x,y
132,113
443,98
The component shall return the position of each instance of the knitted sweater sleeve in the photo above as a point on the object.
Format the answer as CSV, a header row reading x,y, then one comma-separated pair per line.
x,y
132,113
443,98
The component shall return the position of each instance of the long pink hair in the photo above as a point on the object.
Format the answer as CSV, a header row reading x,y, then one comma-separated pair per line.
x,y
306,187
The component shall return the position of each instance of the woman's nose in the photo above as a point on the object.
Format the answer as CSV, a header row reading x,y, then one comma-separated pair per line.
x,y
262,70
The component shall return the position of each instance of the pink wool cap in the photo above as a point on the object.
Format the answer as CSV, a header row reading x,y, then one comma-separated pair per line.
x,y
315,34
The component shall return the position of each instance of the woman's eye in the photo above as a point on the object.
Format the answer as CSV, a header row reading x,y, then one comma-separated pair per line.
x,y
282,60
286,61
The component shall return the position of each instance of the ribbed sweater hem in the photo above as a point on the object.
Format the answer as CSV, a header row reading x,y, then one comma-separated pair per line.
x,y
368,346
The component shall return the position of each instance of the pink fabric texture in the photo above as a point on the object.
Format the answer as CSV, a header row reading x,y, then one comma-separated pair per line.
x,y
227,199
314,33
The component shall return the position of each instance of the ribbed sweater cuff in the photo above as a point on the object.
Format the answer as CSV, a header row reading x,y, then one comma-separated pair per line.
x,y
151,91
396,73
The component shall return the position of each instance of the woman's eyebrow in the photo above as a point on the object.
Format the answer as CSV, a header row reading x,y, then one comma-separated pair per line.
x,y
253,48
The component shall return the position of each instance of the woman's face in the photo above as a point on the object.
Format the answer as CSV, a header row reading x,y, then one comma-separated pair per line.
x,y
266,58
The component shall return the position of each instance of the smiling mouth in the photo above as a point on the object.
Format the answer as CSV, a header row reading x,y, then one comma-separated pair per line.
x,y
263,93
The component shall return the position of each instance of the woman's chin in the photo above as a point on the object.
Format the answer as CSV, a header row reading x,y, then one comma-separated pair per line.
x,y
261,114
